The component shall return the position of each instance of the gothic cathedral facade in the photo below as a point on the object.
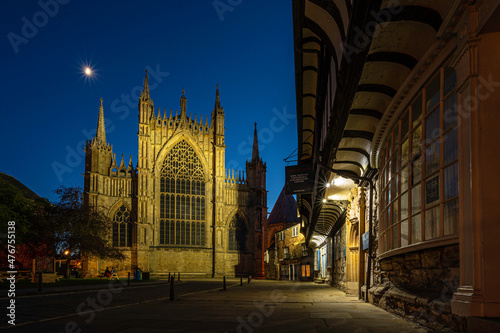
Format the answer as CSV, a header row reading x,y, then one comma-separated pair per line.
x,y
179,209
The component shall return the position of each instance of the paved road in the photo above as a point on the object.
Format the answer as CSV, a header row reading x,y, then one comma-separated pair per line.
x,y
201,306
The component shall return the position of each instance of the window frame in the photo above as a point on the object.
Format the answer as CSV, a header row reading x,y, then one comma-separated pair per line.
x,y
404,202
122,227
182,197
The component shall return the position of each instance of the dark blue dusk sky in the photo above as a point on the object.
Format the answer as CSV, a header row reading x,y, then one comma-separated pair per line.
x,y
49,109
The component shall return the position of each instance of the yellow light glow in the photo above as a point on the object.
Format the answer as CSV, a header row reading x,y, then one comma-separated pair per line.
x,y
341,181
66,252
88,71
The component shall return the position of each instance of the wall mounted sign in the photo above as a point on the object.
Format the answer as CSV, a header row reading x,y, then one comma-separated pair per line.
x,y
365,240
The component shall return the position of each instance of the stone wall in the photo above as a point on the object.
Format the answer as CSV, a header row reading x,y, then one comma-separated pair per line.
x,y
339,264
419,286
270,267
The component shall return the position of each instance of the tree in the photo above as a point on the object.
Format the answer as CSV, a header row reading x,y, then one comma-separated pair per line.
x,y
33,236
81,228
43,228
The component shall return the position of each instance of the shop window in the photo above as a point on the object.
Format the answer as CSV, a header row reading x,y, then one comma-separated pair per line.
x,y
419,191
306,271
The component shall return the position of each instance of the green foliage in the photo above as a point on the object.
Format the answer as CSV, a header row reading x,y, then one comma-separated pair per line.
x,y
42,227
33,236
29,214
80,227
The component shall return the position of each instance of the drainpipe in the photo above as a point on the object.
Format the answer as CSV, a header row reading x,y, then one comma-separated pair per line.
x,y
370,219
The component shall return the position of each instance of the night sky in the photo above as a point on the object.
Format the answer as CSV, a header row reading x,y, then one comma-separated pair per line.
x,y
49,108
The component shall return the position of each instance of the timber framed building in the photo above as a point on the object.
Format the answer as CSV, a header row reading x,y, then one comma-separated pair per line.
x,y
397,105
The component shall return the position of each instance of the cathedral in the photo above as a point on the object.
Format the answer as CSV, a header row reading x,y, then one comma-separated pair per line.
x,y
179,209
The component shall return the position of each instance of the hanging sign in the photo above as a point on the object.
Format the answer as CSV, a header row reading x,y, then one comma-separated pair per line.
x,y
299,179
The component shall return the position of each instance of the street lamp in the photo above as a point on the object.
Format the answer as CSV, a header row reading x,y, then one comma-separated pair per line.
x,y
68,261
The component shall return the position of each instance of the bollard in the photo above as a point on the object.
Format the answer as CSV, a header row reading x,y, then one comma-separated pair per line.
x,y
241,281
224,283
179,276
249,278
40,278
168,276
172,297
128,280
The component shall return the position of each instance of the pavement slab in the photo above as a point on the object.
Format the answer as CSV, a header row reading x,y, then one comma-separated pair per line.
x,y
202,306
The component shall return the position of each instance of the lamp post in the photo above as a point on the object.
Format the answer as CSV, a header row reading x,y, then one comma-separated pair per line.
x,y
68,261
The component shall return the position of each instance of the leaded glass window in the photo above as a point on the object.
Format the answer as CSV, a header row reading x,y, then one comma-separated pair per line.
x,y
182,197
237,234
420,196
122,228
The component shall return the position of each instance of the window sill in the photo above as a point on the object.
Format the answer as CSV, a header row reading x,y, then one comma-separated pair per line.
x,y
443,241
174,246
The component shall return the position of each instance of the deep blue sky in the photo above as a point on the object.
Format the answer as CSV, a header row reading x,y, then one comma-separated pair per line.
x,y
48,106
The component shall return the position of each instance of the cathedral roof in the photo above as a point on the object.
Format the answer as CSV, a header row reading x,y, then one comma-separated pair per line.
x,y
285,209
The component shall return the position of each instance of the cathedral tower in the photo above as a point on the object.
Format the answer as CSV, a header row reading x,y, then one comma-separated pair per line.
x,y
256,175
98,157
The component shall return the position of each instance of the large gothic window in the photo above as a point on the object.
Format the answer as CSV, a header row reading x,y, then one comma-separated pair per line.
x,y
237,234
182,198
122,228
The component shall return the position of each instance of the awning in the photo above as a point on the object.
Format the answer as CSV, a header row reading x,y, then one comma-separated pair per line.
x,y
346,90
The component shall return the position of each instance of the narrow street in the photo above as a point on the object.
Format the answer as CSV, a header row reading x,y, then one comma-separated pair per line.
x,y
202,306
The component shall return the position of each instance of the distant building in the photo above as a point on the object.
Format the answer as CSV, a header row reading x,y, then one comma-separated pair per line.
x,y
286,256
292,257
163,209
283,215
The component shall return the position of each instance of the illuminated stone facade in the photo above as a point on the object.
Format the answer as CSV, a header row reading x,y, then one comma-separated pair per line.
x,y
163,209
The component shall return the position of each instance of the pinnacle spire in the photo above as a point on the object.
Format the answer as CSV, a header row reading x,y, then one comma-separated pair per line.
x,y
100,135
145,90
217,99
122,164
255,150
183,103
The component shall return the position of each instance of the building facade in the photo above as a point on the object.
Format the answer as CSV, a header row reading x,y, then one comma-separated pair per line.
x,y
286,256
397,116
289,258
179,209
